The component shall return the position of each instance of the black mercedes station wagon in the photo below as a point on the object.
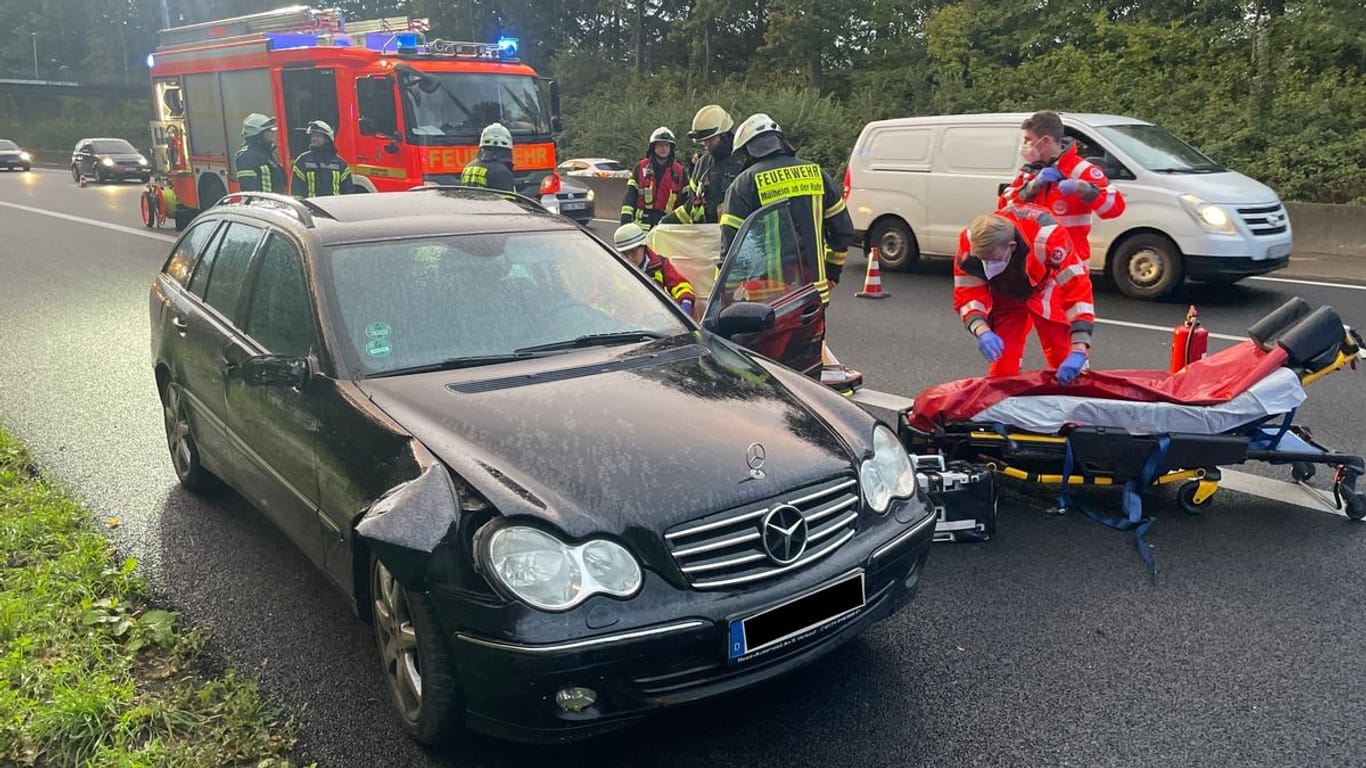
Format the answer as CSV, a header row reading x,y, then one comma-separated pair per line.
x,y
562,503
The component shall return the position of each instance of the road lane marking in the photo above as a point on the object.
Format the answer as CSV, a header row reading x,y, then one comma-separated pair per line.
x,y
1310,282
1295,494
1162,329
92,222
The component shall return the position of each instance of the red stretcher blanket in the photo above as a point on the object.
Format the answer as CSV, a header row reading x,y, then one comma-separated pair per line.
x,y
1211,381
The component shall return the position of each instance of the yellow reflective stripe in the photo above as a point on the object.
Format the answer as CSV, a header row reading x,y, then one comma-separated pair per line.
x,y
731,220
793,181
835,209
244,172
312,183
681,290
681,213
266,185
835,257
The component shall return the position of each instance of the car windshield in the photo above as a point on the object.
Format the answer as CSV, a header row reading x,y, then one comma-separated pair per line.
x,y
113,147
1159,151
448,104
465,300
7,144
612,165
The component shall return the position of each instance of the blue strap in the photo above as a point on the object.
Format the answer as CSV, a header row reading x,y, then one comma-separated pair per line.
x,y
1133,519
1266,442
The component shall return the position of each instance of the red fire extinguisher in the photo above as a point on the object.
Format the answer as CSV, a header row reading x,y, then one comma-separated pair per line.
x,y
1190,341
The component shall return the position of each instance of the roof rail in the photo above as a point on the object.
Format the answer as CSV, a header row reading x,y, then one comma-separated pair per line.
x,y
299,209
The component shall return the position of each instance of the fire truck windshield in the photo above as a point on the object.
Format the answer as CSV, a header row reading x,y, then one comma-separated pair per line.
x,y
452,105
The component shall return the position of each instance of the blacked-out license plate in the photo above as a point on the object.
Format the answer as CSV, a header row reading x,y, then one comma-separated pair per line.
x,y
796,619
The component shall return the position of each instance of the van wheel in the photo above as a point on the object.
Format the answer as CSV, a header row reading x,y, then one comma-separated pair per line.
x,y
896,246
1146,266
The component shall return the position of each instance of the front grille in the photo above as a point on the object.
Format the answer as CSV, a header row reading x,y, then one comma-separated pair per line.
x,y
727,549
1265,219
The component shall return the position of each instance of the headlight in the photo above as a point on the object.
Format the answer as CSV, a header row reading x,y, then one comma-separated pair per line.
x,y
548,574
107,161
888,474
25,156
591,194
142,160
1210,216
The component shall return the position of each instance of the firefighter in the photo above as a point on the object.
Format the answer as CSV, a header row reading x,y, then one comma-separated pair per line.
x,y
713,172
773,171
630,242
1057,178
321,171
492,168
1018,269
657,183
258,169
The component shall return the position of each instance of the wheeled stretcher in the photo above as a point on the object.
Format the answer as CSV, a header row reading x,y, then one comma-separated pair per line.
x,y
1141,428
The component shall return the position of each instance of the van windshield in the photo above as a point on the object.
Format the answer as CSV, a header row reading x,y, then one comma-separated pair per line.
x,y
1159,151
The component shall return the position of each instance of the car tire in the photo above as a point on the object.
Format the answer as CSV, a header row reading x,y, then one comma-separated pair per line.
x,y
28,168
414,657
75,173
181,443
897,249
1146,266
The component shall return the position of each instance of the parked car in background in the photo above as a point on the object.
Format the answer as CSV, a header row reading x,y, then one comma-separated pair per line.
x,y
570,199
464,410
914,183
108,160
595,167
13,157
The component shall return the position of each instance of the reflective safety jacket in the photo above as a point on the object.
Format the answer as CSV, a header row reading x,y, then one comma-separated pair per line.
x,y
490,174
653,191
823,225
1093,195
320,172
662,271
1045,273
709,180
258,170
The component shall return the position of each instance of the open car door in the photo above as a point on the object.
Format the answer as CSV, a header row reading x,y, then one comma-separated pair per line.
x,y
765,266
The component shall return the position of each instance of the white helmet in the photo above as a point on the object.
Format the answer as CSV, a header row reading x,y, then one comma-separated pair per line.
x,y
320,128
710,121
257,124
628,237
495,135
665,135
754,126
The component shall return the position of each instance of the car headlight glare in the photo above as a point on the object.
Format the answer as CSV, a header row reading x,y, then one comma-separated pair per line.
x,y
1211,217
142,160
591,194
888,474
107,161
546,573
25,156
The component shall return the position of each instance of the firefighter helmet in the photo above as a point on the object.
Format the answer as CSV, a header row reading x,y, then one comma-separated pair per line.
x,y
257,124
319,128
710,121
495,135
665,135
756,125
628,237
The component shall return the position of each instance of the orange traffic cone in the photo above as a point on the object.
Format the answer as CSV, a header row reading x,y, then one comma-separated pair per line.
x,y
872,283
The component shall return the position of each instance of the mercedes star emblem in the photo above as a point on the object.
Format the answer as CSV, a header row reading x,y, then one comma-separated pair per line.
x,y
784,531
754,457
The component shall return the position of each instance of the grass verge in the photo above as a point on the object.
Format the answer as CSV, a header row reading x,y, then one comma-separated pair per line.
x,y
91,674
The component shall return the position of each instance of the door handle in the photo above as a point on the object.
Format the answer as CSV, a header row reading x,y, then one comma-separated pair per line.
x,y
180,324
362,157
811,311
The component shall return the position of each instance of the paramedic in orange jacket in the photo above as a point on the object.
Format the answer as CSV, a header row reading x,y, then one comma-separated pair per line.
x,y
1016,269
1058,179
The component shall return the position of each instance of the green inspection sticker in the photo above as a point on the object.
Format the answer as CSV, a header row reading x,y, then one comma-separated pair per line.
x,y
377,330
377,348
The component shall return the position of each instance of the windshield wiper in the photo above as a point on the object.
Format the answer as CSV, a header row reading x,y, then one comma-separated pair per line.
x,y
593,340
472,361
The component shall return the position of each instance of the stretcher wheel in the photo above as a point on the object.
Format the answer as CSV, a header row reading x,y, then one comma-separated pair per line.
x,y
1187,494
1302,471
1356,505
1353,501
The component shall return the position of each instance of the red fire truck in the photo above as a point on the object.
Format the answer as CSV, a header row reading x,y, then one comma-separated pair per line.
x,y
407,110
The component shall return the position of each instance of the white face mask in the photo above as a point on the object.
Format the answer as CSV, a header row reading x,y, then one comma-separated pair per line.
x,y
994,268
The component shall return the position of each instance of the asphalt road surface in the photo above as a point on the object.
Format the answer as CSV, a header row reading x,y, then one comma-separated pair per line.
x,y
1048,646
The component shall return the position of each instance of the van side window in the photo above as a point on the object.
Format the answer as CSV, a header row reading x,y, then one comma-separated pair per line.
x,y
1095,152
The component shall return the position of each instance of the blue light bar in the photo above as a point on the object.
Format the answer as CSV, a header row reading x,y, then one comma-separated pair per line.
x,y
279,41
507,47
388,41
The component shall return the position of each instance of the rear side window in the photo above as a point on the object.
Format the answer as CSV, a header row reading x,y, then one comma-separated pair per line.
x,y
281,316
186,253
229,269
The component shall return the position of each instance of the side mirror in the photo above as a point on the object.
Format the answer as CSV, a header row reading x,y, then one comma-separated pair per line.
x,y
742,317
273,370
556,124
391,147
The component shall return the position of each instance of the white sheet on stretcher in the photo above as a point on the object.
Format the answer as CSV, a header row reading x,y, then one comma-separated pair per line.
x,y
1275,395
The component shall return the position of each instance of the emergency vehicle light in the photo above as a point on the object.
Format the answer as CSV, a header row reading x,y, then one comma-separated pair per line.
x,y
385,41
507,47
279,41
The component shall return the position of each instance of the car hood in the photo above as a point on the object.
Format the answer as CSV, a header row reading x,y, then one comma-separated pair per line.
x,y
622,439
1227,187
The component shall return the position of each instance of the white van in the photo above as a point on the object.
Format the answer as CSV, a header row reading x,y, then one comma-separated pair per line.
x,y
914,183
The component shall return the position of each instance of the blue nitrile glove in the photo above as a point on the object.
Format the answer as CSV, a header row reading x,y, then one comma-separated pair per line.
x,y
1068,186
991,346
1049,175
1071,367
686,304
